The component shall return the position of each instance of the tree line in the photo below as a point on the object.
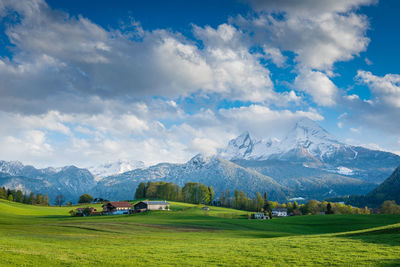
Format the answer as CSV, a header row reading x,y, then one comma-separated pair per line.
x,y
240,201
196,193
19,196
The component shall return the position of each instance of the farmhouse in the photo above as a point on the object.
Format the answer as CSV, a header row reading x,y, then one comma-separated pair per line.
x,y
279,212
82,212
151,205
117,207
260,216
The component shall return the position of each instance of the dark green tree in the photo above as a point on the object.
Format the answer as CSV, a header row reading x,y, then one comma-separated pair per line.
x,y
19,196
211,194
3,193
60,199
85,198
39,199
259,202
329,209
267,207
32,198
141,191
236,200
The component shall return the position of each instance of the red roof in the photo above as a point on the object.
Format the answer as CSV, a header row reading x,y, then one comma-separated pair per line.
x,y
120,204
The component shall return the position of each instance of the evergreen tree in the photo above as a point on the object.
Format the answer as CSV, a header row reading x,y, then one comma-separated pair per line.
x,y
26,199
3,193
211,194
10,197
46,200
236,200
259,202
39,199
32,198
329,209
19,196
242,200
140,191
267,207
204,194
60,199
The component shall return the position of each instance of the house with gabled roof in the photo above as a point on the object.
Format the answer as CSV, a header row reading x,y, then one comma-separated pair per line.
x,y
117,207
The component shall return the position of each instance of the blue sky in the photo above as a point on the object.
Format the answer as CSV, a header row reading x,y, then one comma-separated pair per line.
x,y
84,82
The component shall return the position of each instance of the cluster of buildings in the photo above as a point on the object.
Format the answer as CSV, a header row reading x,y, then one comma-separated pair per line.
x,y
124,207
275,213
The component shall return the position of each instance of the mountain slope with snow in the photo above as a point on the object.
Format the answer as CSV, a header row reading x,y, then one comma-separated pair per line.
x,y
311,162
219,173
113,168
308,162
69,181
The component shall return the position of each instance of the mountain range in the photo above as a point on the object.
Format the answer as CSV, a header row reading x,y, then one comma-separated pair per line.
x,y
307,163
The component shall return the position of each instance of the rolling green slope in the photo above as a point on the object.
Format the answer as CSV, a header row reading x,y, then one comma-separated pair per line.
x,y
187,235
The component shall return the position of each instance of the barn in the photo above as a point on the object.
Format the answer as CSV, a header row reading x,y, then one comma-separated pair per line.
x,y
151,205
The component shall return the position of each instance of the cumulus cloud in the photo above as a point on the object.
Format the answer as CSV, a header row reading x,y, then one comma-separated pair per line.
x,y
381,110
319,32
59,58
263,121
318,85
235,69
275,55
74,92
385,89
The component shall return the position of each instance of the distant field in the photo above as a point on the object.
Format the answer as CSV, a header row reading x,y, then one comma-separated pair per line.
x,y
187,235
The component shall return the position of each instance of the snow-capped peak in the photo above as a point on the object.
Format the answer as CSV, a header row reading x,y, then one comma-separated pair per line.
x,y
306,136
239,147
11,167
112,168
308,130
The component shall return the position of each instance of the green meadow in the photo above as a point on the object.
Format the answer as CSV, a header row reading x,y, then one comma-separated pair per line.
x,y
187,235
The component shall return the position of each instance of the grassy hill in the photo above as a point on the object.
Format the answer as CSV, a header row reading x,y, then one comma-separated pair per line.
x,y
187,235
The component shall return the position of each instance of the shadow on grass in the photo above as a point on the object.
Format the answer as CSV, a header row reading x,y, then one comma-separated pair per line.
x,y
389,236
388,263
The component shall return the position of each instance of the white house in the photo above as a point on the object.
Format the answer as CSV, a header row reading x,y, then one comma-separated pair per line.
x,y
260,216
279,212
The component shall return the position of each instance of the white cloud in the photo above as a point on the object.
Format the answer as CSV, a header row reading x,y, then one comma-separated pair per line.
x,y
59,58
386,88
368,61
355,130
319,32
236,71
263,121
275,55
318,85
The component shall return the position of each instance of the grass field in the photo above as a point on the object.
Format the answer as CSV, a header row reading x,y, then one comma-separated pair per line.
x,y
187,235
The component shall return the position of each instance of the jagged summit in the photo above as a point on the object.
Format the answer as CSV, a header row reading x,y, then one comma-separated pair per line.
x,y
305,139
308,130
117,167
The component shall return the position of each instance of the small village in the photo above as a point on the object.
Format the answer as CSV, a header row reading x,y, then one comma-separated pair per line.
x,y
121,208
126,208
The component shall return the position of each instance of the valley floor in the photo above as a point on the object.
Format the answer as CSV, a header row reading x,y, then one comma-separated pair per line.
x,y
187,235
